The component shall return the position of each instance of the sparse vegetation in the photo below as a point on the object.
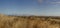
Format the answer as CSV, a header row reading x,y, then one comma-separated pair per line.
x,y
29,22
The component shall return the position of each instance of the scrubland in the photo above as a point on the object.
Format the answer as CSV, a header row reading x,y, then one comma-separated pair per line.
x,y
28,22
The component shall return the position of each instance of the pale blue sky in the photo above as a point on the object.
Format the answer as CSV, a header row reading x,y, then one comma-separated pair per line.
x,y
32,7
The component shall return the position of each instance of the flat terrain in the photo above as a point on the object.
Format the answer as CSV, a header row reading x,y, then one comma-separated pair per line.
x,y
29,21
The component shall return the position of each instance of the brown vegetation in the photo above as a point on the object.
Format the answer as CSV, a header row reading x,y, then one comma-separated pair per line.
x,y
28,22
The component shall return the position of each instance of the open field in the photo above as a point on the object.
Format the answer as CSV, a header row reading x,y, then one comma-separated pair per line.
x,y
29,21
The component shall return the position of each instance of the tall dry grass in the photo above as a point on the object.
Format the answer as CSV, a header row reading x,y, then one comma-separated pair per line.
x,y
28,22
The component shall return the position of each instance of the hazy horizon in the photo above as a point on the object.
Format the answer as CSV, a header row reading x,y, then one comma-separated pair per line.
x,y
30,7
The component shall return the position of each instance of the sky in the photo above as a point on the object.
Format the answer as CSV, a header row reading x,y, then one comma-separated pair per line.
x,y
30,7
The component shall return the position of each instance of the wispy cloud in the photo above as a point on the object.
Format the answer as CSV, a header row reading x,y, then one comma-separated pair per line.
x,y
40,1
55,3
49,1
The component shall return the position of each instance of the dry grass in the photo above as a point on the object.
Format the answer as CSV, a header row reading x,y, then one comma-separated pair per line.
x,y
28,22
